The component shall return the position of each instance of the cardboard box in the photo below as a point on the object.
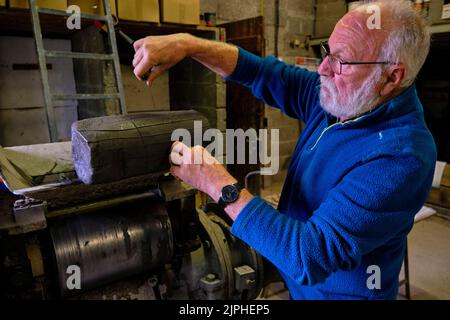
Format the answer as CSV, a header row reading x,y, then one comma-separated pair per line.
x,y
93,6
434,14
446,11
19,4
180,11
53,4
112,4
138,10
50,4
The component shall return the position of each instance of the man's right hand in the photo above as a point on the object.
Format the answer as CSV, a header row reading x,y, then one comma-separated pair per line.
x,y
156,54
159,53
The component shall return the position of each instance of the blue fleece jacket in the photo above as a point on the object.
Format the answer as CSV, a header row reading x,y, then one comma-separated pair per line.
x,y
351,191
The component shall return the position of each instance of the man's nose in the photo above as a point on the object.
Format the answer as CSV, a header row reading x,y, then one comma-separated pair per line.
x,y
325,69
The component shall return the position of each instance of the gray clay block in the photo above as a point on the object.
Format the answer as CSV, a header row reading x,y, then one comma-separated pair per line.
x,y
113,148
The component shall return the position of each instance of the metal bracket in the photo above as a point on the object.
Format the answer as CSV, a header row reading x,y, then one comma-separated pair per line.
x,y
245,278
29,216
212,287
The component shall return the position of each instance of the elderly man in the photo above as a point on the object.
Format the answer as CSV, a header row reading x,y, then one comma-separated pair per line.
x,y
363,165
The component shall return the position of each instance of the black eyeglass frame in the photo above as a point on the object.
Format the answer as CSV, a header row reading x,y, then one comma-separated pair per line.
x,y
325,51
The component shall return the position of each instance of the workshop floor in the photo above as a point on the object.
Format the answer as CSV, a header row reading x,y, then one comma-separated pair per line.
x,y
429,258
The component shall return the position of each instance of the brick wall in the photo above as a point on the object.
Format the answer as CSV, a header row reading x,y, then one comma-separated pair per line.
x,y
22,106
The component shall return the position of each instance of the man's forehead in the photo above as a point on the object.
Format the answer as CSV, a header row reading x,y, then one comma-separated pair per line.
x,y
351,36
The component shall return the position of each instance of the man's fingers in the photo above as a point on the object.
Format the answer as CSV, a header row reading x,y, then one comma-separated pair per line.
x,y
138,44
180,147
176,159
155,73
143,66
137,58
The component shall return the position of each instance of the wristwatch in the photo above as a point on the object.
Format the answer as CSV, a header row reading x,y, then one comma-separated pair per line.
x,y
230,194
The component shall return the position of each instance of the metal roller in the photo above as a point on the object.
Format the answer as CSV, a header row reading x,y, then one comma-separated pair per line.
x,y
112,244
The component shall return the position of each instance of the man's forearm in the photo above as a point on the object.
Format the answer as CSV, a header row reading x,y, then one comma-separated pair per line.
x,y
217,56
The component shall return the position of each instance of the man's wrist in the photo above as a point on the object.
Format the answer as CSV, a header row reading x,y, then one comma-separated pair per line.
x,y
216,190
192,45
234,209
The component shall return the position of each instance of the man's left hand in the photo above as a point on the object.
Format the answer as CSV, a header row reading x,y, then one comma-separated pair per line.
x,y
197,167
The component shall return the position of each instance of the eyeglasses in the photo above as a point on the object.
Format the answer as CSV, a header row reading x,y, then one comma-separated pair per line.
x,y
336,64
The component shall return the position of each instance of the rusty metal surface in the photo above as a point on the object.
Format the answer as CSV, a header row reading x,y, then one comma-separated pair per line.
x,y
74,192
20,216
80,199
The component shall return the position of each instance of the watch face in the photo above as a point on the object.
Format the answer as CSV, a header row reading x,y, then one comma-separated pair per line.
x,y
230,194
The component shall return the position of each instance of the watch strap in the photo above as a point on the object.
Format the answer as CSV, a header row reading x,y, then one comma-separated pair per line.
x,y
222,203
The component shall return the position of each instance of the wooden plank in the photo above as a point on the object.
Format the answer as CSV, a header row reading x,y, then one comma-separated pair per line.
x,y
440,197
17,21
446,177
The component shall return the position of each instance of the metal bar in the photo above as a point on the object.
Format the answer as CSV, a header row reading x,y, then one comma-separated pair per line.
x,y
49,110
98,205
85,96
439,28
317,41
407,283
115,52
78,55
66,14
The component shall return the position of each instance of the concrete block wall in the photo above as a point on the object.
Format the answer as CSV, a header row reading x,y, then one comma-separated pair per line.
x,y
22,108
328,13
193,86
140,98
296,22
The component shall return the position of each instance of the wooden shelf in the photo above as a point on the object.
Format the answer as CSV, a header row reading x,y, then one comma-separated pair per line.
x,y
17,22
141,29
317,41
441,27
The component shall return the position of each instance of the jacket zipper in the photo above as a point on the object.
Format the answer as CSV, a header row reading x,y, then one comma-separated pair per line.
x,y
334,124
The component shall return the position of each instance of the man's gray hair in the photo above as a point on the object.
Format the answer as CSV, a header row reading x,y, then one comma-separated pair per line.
x,y
408,39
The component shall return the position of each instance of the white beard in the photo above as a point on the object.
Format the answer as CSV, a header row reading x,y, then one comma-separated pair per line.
x,y
356,103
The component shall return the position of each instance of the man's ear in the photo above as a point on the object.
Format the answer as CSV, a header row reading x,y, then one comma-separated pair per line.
x,y
395,76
